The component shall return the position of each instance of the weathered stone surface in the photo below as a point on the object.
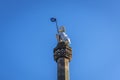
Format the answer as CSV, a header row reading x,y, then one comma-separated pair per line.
x,y
63,69
62,50
62,55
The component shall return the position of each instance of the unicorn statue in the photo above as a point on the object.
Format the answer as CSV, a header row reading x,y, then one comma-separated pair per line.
x,y
62,36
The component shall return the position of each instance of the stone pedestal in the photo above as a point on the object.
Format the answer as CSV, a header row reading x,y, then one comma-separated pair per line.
x,y
62,55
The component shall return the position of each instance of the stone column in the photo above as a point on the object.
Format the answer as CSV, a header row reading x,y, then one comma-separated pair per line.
x,y
62,55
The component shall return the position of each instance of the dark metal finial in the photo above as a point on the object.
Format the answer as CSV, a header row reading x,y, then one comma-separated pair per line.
x,y
54,20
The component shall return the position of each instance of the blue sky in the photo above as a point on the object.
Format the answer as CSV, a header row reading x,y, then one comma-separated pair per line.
x,y
27,38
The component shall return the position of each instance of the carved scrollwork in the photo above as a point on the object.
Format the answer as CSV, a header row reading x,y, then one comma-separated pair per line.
x,y
62,51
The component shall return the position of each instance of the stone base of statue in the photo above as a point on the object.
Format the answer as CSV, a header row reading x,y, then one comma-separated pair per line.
x,y
62,55
62,50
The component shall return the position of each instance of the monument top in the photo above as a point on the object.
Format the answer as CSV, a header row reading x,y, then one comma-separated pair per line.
x,y
61,35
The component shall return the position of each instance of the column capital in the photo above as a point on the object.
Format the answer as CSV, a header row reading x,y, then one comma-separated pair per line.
x,y
62,51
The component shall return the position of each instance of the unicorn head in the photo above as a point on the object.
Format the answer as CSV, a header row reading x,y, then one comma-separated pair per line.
x,y
62,29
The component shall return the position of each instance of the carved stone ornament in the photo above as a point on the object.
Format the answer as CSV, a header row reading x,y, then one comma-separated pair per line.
x,y
62,50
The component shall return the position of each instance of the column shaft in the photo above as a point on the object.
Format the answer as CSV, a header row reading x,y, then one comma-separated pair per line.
x,y
63,69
